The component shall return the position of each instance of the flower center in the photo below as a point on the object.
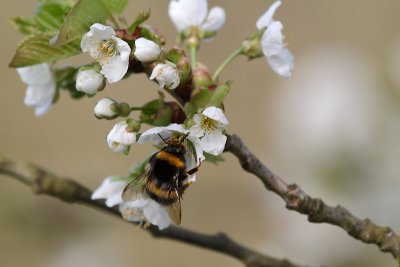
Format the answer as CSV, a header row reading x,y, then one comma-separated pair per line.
x,y
107,49
208,125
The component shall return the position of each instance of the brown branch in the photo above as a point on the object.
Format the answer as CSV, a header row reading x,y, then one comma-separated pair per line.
x,y
316,210
44,182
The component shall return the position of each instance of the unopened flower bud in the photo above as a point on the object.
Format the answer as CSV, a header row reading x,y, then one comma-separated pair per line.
x,y
103,109
146,50
121,138
201,77
89,81
166,75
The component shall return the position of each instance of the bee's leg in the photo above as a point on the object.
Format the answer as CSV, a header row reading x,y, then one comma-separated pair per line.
x,y
194,170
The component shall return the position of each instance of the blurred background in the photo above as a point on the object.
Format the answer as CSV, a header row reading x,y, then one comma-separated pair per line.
x,y
333,128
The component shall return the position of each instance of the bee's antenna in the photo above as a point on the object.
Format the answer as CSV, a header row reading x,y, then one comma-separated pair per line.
x,y
162,138
184,137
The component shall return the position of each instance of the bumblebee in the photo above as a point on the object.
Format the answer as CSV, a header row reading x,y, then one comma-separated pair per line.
x,y
166,179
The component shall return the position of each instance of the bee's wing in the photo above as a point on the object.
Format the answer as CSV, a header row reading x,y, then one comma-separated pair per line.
x,y
174,212
133,190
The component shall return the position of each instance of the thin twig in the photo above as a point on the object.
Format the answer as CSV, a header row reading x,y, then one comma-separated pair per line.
x,y
316,210
44,182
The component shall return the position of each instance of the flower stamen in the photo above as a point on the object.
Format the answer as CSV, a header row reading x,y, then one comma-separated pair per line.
x,y
208,125
107,49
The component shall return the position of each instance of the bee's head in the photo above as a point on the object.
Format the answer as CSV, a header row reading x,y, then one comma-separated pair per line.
x,y
174,144
174,140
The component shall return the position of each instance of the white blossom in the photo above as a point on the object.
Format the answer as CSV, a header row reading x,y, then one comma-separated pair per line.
x,y
188,13
209,126
103,108
278,56
145,209
138,210
111,189
111,52
41,87
146,50
120,139
166,75
89,81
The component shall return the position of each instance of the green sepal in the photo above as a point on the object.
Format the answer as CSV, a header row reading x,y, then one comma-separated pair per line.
x,y
213,159
175,54
251,47
198,101
36,49
219,95
66,80
150,35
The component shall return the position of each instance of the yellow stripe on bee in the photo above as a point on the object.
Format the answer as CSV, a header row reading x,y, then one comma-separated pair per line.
x,y
171,158
161,193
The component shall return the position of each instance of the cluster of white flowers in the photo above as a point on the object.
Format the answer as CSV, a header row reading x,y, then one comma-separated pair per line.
x,y
112,56
206,136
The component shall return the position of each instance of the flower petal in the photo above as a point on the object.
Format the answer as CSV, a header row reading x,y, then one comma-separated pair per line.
x,y
282,64
102,32
272,39
266,18
36,74
111,190
152,133
38,95
215,19
166,75
103,108
89,81
216,114
115,68
146,50
130,214
187,13
91,39
196,130
214,143
156,215
199,149
43,108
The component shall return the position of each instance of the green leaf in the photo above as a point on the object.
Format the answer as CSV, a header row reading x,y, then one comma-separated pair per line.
x,y
156,113
83,15
199,101
36,49
25,26
50,17
115,6
219,95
